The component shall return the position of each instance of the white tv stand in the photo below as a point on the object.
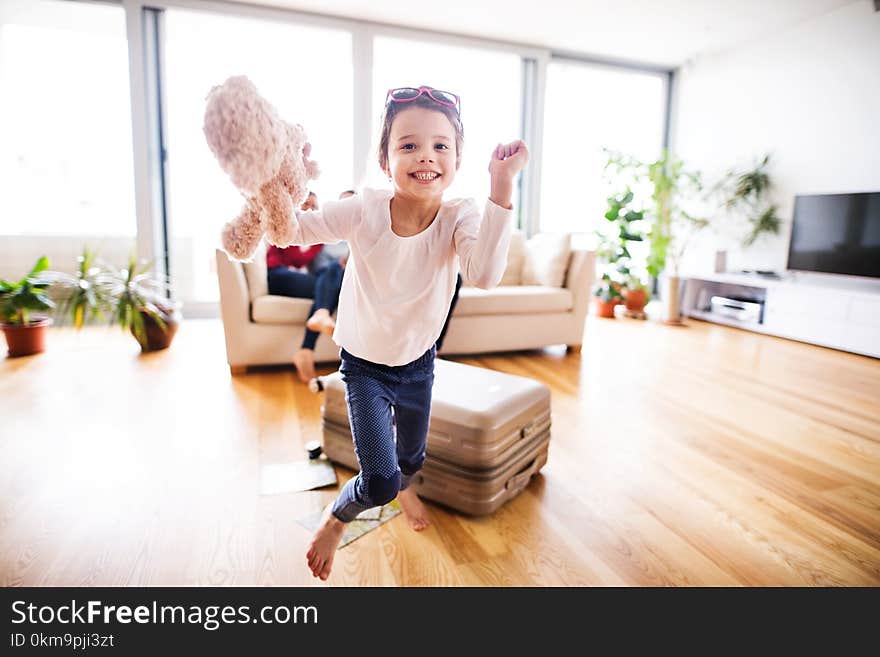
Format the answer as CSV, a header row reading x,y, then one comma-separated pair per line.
x,y
841,315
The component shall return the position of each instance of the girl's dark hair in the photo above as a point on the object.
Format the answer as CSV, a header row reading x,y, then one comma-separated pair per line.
x,y
392,109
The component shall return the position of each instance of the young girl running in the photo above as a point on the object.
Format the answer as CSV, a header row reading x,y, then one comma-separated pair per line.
x,y
407,245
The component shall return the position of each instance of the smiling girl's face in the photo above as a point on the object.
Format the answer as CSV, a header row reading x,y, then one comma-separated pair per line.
x,y
422,157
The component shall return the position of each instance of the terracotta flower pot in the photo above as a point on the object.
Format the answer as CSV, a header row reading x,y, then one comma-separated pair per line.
x,y
635,300
26,340
604,308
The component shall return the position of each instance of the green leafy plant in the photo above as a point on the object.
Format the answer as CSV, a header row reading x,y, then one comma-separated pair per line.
x,y
614,249
635,283
19,299
744,193
132,297
607,289
86,296
672,186
140,299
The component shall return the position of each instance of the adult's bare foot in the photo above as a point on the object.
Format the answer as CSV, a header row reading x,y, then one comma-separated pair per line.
x,y
322,549
304,359
414,511
321,322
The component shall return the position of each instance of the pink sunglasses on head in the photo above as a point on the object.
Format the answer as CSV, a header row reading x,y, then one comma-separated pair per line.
x,y
407,94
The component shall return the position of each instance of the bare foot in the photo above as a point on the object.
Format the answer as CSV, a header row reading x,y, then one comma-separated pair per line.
x,y
321,322
415,512
322,549
304,359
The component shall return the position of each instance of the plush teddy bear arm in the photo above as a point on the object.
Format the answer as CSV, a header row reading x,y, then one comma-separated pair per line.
x,y
241,236
278,210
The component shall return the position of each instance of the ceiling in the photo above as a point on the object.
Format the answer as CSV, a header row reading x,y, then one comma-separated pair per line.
x,y
657,32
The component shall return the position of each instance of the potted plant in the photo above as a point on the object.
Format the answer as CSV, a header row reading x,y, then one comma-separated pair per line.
x,y
143,307
132,296
635,296
26,333
606,295
672,227
613,252
744,193
86,296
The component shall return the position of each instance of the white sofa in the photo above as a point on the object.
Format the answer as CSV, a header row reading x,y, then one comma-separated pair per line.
x,y
263,329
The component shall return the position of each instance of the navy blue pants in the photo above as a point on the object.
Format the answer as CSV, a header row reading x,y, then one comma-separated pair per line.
x,y
323,286
389,408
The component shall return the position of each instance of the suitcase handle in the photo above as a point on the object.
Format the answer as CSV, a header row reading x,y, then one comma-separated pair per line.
x,y
518,481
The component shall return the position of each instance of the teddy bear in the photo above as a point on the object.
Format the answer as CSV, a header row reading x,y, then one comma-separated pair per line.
x,y
267,160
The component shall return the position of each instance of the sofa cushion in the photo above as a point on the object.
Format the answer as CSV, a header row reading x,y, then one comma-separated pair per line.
x,y
546,259
255,274
513,300
273,309
515,257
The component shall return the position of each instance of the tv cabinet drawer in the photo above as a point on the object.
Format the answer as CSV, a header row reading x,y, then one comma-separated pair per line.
x,y
865,311
812,302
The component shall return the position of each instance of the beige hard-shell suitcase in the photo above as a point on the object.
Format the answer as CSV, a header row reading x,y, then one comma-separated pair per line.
x,y
475,492
477,415
489,434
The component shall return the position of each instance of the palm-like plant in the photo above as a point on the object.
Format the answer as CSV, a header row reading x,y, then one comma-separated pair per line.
x,y
743,192
85,296
132,297
140,299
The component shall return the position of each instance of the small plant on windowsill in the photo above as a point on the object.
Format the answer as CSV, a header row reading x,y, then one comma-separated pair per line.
x,y
23,311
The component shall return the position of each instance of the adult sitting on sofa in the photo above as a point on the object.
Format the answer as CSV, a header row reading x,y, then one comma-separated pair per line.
x,y
542,300
313,272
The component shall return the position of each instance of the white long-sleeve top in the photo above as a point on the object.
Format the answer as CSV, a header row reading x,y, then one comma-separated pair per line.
x,y
396,290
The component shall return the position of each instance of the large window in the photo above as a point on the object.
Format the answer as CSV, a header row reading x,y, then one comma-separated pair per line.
x,y
305,72
490,86
66,156
66,170
588,108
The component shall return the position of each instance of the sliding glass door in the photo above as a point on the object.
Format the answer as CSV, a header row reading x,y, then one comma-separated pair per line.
x,y
588,108
66,167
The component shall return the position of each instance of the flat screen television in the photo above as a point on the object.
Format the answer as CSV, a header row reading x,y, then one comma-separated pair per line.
x,y
836,234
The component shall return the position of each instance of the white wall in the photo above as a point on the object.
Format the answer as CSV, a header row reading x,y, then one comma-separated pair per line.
x,y
809,95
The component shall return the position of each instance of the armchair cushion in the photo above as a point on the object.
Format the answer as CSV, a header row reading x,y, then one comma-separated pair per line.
x,y
256,275
546,259
515,257
513,300
273,309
